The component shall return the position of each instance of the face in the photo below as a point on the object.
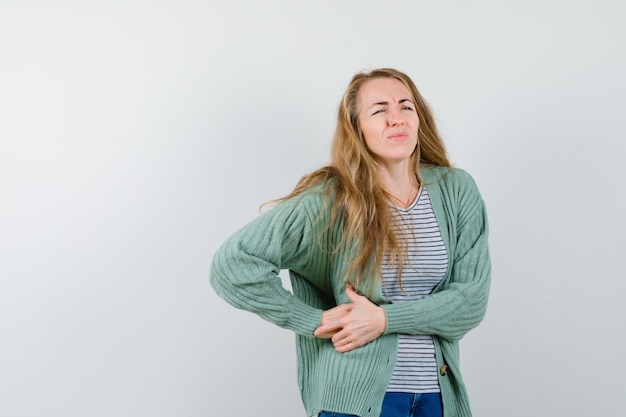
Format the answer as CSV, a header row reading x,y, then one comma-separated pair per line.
x,y
388,120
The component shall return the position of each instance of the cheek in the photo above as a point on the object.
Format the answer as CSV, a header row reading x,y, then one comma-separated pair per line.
x,y
367,139
369,133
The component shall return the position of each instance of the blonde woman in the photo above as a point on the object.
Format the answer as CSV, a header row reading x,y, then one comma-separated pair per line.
x,y
387,253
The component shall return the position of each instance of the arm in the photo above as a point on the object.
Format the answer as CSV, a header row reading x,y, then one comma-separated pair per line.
x,y
245,269
461,305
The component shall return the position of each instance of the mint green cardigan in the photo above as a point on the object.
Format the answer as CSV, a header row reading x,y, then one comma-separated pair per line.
x,y
244,272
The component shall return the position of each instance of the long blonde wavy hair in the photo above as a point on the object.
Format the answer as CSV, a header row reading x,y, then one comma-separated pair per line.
x,y
352,182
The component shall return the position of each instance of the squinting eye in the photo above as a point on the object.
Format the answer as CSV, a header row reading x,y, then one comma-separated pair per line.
x,y
377,111
408,108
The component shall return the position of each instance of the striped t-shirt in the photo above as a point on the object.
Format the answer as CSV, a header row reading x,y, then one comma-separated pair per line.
x,y
424,265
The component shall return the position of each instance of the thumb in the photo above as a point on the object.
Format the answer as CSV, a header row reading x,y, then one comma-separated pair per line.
x,y
352,295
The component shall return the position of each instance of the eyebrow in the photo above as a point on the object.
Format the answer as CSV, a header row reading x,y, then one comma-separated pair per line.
x,y
386,103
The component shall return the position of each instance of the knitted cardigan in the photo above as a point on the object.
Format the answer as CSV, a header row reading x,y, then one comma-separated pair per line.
x,y
244,272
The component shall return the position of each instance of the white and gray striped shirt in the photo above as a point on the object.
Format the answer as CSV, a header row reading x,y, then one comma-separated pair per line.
x,y
424,266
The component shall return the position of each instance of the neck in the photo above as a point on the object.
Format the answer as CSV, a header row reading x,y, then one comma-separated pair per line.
x,y
400,182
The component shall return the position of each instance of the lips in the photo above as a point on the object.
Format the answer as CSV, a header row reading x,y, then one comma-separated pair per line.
x,y
398,137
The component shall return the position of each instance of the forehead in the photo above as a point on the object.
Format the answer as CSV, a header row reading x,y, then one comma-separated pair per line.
x,y
382,89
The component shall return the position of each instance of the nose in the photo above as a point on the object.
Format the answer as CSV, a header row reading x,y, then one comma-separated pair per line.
x,y
395,118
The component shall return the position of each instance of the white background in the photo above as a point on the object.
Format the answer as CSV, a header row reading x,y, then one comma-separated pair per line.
x,y
135,136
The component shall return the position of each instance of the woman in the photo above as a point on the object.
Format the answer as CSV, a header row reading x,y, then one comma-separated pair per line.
x,y
387,253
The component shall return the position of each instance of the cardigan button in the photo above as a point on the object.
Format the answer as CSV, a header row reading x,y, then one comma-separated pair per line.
x,y
443,370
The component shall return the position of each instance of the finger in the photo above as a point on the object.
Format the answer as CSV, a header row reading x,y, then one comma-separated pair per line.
x,y
346,347
325,331
341,337
333,322
352,295
341,310
323,334
338,311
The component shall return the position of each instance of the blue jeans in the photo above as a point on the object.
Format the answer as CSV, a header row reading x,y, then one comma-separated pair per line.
x,y
400,404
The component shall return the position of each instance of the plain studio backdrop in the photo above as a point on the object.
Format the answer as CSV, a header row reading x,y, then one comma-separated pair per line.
x,y
135,136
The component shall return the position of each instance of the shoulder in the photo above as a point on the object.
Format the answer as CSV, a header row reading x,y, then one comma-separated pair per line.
x,y
446,177
313,198
307,204
453,188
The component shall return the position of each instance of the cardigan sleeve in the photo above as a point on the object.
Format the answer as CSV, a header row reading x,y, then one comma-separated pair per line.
x,y
244,270
460,304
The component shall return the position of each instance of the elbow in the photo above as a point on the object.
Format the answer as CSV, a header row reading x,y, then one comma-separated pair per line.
x,y
218,279
465,325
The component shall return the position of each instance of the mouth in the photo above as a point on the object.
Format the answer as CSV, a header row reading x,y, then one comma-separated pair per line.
x,y
398,137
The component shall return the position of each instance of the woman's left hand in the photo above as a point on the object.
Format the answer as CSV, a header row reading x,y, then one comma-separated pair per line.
x,y
352,327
